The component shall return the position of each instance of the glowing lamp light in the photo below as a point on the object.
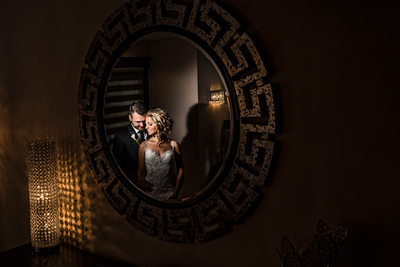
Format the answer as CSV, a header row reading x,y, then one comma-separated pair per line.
x,y
217,95
43,197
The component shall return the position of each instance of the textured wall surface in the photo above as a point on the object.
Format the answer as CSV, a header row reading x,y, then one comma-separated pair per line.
x,y
334,65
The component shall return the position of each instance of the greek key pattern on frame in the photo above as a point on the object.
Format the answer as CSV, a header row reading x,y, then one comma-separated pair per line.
x,y
217,213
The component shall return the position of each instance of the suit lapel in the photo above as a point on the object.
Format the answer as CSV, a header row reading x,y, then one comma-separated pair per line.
x,y
131,131
133,144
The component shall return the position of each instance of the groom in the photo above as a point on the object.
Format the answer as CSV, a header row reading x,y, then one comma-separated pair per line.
x,y
126,143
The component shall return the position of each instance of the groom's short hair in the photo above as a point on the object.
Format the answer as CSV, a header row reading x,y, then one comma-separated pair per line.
x,y
138,107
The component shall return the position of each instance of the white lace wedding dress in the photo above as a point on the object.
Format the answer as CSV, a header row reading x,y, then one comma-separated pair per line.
x,y
161,172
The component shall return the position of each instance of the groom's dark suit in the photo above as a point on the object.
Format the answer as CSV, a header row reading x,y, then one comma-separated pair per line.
x,y
125,151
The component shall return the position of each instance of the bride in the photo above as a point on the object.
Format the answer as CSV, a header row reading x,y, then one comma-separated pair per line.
x,y
160,170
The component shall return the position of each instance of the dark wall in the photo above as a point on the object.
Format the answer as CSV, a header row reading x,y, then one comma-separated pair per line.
x,y
334,66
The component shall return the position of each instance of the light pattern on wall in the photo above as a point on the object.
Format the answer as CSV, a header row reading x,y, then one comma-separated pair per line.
x,y
77,194
71,195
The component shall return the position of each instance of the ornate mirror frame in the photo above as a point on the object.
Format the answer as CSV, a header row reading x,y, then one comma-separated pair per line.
x,y
240,181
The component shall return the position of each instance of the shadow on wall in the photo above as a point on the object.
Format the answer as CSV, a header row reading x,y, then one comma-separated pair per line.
x,y
204,145
191,155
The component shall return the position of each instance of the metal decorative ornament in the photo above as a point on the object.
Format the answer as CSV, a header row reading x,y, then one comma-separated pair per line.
x,y
242,177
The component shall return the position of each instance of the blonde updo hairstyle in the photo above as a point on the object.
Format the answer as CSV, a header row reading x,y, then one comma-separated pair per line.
x,y
163,122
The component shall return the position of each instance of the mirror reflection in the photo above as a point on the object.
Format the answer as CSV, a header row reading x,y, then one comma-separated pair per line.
x,y
188,125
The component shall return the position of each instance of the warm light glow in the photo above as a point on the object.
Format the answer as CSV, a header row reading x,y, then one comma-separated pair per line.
x,y
75,210
217,95
43,197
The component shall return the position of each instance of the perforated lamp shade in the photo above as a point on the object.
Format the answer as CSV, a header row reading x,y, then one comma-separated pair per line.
x,y
43,197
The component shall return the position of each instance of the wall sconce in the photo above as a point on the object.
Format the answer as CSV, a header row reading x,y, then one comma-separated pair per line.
x,y
217,95
43,197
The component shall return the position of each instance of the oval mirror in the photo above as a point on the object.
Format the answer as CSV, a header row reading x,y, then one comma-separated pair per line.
x,y
169,71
